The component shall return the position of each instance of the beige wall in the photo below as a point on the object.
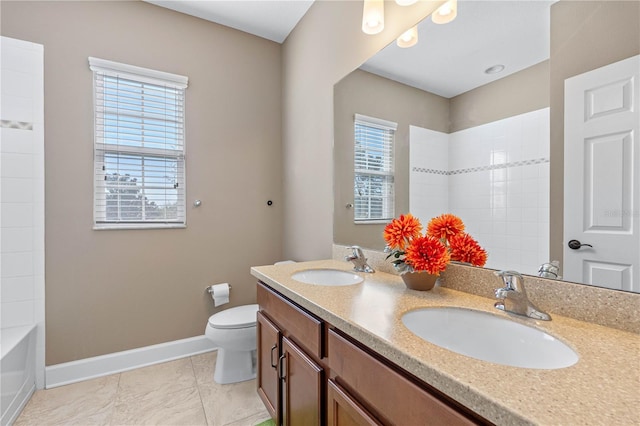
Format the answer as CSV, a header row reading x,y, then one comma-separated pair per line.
x,y
585,35
326,45
108,291
364,93
518,93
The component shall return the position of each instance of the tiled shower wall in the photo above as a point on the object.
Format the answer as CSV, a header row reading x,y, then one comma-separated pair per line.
x,y
495,177
22,190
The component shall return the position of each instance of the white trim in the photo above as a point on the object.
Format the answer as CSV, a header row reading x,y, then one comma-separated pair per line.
x,y
137,73
104,365
149,225
376,122
372,221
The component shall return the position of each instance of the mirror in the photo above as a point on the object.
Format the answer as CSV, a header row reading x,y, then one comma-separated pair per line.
x,y
559,40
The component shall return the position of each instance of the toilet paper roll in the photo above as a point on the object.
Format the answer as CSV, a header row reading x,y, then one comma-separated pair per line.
x,y
220,294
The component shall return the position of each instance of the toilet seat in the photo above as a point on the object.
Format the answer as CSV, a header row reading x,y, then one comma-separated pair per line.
x,y
234,318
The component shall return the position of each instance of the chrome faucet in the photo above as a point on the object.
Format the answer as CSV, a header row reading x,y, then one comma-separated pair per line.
x,y
514,297
359,261
550,270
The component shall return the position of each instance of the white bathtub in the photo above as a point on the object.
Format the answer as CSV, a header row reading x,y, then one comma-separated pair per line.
x,y
17,370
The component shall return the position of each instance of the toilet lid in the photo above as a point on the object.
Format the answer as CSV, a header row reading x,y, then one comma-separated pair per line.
x,y
238,317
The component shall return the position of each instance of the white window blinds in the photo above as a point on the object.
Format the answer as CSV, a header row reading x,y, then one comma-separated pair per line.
x,y
139,146
373,169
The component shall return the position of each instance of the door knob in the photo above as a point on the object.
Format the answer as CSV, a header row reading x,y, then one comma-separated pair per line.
x,y
575,245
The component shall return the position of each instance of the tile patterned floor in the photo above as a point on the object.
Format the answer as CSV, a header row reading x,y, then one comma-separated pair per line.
x,y
180,393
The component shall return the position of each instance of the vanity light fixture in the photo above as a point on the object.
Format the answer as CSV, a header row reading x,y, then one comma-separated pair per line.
x,y
373,16
408,38
494,69
405,2
445,13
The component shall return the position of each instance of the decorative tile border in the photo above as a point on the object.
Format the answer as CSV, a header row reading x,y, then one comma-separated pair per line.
x,y
481,168
12,124
430,171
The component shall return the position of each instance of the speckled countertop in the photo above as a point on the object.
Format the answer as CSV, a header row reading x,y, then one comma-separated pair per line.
x,y
602,388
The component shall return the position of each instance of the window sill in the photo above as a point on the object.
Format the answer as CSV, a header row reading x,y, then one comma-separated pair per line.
x,y
372,222
122,226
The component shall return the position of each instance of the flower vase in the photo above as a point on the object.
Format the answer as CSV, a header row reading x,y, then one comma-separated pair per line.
x,y
422,281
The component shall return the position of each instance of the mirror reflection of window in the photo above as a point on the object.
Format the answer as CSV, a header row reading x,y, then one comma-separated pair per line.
x,y
373,188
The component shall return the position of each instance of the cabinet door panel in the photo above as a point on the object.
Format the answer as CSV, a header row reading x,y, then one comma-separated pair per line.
x,y
268,353
343,410
302,389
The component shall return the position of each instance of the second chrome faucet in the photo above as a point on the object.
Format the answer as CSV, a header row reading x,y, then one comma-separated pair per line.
x,y
513,297
359,261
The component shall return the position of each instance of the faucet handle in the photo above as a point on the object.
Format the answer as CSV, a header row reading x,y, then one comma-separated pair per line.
x,y
501,293
357,252
513,280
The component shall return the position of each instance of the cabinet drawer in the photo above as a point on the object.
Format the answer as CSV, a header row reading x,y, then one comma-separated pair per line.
x,y
392,397
293,320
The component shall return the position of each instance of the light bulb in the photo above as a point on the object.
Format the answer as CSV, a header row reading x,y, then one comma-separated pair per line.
x,y
408,38
445,13
373,16
444,10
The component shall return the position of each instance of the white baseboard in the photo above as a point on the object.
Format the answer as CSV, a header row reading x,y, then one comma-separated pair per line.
x,y
13,410
90,368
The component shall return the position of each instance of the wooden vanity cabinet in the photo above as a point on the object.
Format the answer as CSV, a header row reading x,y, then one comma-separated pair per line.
x,y
290,377
310,373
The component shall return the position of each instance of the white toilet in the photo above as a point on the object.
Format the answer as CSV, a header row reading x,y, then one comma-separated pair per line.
x,y
233,331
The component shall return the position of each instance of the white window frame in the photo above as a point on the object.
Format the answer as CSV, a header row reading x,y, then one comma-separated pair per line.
x,y
388,197
108,69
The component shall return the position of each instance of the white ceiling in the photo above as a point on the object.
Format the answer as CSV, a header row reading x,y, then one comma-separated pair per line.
x,y
450,59
270,19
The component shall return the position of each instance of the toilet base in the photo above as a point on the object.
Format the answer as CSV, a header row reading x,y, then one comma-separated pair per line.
x,y
234,366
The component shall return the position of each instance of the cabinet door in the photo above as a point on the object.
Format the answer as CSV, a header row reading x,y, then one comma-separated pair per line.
x,y
302,387
343,410
267,375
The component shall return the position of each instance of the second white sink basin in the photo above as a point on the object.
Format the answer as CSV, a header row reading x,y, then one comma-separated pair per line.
x,y
328,277
490,338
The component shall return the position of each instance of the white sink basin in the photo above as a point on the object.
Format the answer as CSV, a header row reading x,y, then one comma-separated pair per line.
x,y
328,277
490,338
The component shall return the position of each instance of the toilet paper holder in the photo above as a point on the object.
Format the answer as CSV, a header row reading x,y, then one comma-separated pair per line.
x,y
210,289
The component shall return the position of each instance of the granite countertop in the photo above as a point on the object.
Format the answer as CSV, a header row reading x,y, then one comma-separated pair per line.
x,y
603,387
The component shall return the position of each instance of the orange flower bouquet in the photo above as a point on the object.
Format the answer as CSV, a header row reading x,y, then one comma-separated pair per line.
x,y
443,241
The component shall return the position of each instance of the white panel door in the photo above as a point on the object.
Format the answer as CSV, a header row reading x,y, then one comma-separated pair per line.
x,y
602,177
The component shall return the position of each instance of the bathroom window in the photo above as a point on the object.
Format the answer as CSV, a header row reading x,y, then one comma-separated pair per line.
x,y
373,170
139,147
